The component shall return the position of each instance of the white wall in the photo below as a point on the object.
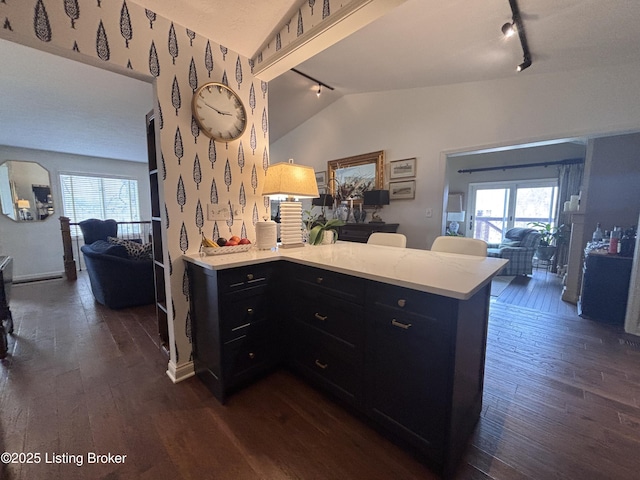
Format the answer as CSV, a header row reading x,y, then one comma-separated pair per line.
x,y
36,247
427,123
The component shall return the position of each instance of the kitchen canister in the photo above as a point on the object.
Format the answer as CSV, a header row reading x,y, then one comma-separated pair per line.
x,y
266,235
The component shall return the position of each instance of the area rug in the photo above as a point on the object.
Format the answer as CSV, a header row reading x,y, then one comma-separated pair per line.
x,y
499,284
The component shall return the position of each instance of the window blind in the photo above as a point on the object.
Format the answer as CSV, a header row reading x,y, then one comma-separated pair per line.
x,y
86,197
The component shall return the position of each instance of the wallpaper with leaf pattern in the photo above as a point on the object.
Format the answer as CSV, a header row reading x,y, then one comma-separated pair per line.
x,y
195,170
309,14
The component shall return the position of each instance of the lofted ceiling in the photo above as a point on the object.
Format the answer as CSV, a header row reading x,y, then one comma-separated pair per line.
x,y
420,43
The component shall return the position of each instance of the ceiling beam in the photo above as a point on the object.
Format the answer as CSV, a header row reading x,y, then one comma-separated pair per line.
x,y
334,28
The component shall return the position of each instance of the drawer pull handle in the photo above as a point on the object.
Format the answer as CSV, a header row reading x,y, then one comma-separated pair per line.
x,y
250,276
249,311
319,280
321,365
402,302
404,326
252,355
320,317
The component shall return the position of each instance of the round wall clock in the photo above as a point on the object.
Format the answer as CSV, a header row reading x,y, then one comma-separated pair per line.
x,y
219,112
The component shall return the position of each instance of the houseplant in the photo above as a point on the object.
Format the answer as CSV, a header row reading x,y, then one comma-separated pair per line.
x,y
317,233
550,238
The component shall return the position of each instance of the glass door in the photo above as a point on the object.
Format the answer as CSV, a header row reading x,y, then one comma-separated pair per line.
x,y
497,207
489,213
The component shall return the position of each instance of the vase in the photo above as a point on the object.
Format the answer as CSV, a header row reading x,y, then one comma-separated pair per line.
x,y
329,237
341,212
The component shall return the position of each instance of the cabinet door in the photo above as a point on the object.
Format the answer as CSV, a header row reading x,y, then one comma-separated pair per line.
x,y
409,371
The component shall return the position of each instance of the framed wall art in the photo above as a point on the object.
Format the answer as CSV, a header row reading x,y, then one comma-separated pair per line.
x,y
321,179
402,168
402,190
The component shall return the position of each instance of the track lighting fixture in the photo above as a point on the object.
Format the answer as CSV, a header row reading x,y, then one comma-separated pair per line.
x,y
320,84
509,29
523,65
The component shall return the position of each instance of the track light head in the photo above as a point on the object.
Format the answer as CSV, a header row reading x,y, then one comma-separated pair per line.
x,y
319,90
524,65
509,29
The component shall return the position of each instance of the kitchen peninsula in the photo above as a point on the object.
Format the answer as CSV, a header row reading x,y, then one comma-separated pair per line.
x,y
397,334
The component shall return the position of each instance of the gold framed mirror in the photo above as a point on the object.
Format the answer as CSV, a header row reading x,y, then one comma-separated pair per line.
x,y
350,177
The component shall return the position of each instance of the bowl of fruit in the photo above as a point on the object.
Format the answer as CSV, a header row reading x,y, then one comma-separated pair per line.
x,y
222,245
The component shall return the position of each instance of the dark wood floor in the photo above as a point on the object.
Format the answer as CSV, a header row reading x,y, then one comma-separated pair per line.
x,y
540,291
561,401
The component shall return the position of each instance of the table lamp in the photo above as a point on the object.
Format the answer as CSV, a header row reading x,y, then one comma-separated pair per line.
x,y
376,198
455,213
23,206
292,181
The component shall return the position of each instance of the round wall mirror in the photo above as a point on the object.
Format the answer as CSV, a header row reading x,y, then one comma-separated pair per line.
x,y
25,191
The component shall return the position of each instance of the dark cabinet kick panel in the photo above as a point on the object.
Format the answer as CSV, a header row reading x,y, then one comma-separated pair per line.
x,y
411,362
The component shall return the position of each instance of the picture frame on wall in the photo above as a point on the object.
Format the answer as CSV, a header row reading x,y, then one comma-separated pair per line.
x,y
402,190
402,168
321,179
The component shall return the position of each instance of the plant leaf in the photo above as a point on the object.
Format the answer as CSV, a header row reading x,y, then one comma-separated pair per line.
x,y
315,236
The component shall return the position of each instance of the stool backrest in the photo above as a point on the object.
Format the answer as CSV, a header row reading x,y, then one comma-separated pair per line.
x,y
463,245
388,239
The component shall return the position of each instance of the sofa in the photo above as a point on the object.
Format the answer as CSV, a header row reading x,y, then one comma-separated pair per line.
x,y
117,279
519,246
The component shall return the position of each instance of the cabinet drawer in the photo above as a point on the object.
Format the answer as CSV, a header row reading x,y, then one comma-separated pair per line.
x,y
241,315
242,278
331,283
410,326
410,301
332,315
246,357
354,234
327,361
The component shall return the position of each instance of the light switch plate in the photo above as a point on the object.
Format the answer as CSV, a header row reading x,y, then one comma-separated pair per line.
x,y
428,212
217,212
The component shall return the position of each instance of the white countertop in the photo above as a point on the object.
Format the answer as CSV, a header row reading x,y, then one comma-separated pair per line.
x,y
447,274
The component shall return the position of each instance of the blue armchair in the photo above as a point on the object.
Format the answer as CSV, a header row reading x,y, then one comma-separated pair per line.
x,y
519,247
94,229
117,280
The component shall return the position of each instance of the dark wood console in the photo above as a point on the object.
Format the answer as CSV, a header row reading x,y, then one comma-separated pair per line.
x,y
360,232
6,280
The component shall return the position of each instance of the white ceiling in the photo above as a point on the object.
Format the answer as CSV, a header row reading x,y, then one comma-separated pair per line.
x,y
420,43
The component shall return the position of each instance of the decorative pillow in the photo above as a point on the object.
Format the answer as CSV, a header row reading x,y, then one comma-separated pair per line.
x,y
136,251
106,248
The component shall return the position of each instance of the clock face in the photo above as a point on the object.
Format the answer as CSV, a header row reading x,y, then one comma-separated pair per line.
x,y
219,112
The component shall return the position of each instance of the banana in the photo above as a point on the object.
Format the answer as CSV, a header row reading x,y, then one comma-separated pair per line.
x,y
209,243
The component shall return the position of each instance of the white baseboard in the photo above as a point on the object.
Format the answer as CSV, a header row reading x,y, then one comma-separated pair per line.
x,y
180,373
37,277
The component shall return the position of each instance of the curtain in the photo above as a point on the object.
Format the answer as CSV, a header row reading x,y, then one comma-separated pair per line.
x,y
569,183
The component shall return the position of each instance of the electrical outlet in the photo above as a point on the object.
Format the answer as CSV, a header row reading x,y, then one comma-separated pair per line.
x,y
217,212
428,212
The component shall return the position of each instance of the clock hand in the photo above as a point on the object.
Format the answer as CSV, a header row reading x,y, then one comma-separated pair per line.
x,y
214,108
